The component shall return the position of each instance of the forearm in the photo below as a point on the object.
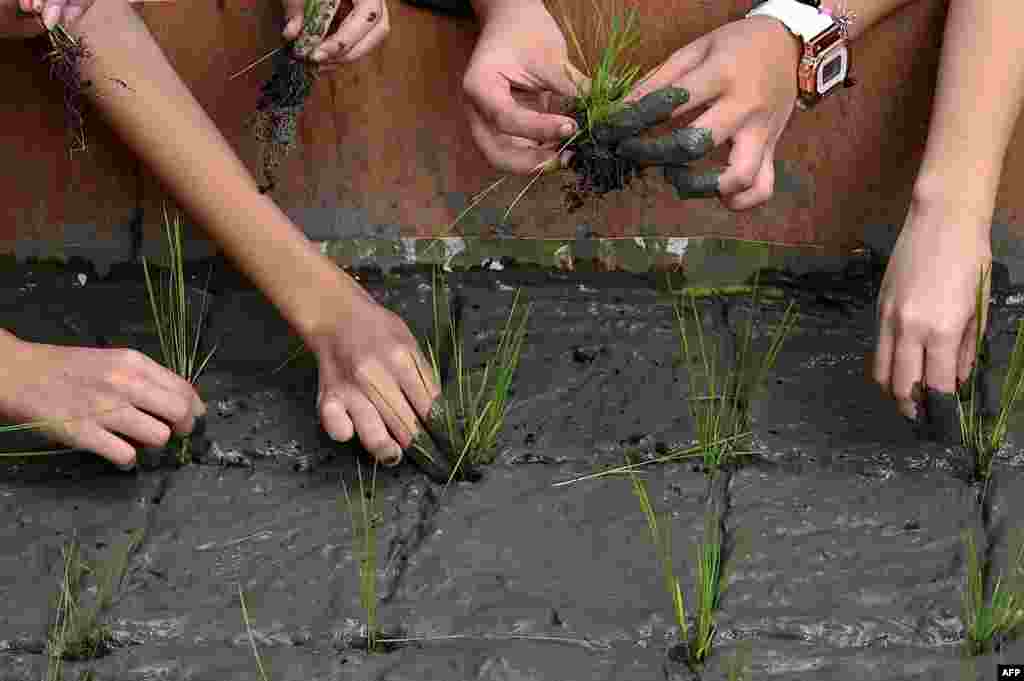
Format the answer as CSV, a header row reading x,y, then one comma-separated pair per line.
x,y
867,13
138,91
485,8
978,100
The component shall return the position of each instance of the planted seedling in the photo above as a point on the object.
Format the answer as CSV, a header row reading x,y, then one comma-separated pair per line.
x,y
710,584
981,436
988,623
252,638
178,329
739,664
472,411
78,631
365,517
284,95
720,405
659,528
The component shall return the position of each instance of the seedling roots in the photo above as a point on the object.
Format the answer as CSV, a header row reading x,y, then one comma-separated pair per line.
x,y
65,59
277,112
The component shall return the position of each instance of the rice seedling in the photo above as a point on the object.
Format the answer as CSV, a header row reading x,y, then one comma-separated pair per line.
x,y
981,436
720,405
988,623
472,412
710,584
48,426
178,330
252,638
365,518
659,528
739,664
77,631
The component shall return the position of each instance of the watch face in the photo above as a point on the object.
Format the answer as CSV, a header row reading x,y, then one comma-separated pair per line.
x,y
832,68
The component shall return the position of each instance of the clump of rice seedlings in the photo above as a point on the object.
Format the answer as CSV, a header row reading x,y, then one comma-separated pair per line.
x,y
710,584
284,95
659,529
252,638
739,664
720,405
984,437
365,517
77,631
178,330
986,624
472,411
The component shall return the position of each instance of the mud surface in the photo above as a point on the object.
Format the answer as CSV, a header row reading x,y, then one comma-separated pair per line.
x,y
856,565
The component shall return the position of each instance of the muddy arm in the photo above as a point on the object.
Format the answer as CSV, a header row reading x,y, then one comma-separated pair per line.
x,y
137,90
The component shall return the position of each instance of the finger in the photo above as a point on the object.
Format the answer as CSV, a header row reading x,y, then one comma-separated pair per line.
x,y
372,431
693,185
335,420
679,147
51,15
364,18
636,117
394,409
170,383
567,81
70,15
504,152
93,438
681,63
941,358
491,96
745,160
908,374
968,352
292,28
761,190
138,426
175,408
369,43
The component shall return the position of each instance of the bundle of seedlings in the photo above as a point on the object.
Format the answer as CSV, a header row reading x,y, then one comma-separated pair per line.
x,y
178,328
284,95
988,622
983,437
720,405
65,58
471,411
77,631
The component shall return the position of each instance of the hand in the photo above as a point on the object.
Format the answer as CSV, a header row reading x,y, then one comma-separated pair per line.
x,y
374,381
514,78
746,72
21,18
927,323
91,396
362,29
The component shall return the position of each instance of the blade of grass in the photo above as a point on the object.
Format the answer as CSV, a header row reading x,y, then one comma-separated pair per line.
x,y
252,638
364,531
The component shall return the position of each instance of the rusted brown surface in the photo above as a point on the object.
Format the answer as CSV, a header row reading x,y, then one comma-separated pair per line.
x,y
384,142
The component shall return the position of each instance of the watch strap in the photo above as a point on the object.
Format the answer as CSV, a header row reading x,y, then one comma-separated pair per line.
x,y
802,20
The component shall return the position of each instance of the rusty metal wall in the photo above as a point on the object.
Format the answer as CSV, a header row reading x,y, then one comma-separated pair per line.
x,y
385,153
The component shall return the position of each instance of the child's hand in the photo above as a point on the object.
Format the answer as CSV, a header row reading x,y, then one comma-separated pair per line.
x,y
519,62
95,397
745,73
362,29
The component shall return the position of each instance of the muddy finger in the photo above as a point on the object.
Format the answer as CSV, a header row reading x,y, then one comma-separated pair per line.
x,y
691,185
632,119
681,146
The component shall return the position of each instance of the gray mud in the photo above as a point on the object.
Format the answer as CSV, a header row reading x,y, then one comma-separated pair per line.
x,y
856,565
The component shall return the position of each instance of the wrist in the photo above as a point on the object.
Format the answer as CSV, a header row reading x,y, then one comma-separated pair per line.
x,y
486,9
961,200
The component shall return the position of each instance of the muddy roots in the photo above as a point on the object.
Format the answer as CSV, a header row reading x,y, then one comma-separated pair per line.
x,y
598,169
277,112
65,58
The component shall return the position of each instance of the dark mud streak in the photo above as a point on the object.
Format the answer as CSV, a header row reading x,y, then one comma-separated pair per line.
x,y
407,540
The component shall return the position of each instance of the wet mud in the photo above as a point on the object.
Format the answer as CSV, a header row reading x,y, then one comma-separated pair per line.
x,y
855,569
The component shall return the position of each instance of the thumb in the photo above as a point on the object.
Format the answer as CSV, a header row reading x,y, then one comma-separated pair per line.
x,y
567,80
493,98
293,27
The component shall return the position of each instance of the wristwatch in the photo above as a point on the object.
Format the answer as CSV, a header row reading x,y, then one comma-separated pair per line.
x,y
825,55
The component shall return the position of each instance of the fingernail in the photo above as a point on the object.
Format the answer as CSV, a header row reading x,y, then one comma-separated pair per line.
x,y
126,467
51,17
200,407
37,6
567,129
392,459
71,15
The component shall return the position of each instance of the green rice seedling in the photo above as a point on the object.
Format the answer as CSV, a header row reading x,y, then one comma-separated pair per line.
x,y
365,518
77,631
1003,614
720,405
659,529
709,586
179,332
252,638
474,408
981,436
